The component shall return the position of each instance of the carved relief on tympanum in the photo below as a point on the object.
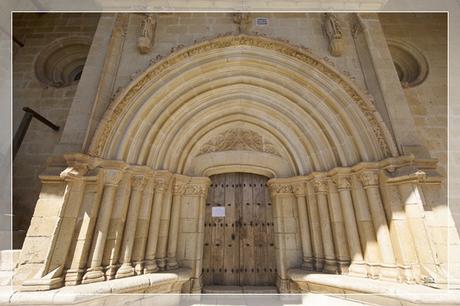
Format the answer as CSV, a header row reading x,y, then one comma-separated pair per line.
x,y
238,140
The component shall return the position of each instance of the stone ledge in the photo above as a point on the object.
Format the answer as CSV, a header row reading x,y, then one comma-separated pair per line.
x,y
156,282
374,291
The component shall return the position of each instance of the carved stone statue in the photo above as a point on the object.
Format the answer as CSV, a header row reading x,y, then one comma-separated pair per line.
x,y
243,20
334,34
147,35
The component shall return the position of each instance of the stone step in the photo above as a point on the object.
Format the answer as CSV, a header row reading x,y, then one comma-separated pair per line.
x,y
8,261
240,289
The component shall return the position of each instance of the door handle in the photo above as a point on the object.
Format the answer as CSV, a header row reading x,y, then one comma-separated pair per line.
x,y
233,236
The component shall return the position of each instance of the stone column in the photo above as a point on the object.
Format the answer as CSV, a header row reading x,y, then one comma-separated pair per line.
x,y
161,183
338,229
315,228
142,228
137,185
95,272
406,257
370,180
199,188
178,191
320,185
278,191
164,229
413,207
116,226
299,191
357,265
366,230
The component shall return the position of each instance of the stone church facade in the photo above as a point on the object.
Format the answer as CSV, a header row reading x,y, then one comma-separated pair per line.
x,y
247,149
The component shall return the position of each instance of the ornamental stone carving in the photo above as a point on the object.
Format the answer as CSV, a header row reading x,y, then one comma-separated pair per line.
x,y
299,189
281,188
147,35
120,105
138,182
343,182
334,34
195,189
179,188
369,178
320,184
238,139
112,177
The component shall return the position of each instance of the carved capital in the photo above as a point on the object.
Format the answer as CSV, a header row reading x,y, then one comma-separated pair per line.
x,y
112,177
369,178
281,188
343,182
161,184
320,184
195,189
77,170
299,189
179,188
138,182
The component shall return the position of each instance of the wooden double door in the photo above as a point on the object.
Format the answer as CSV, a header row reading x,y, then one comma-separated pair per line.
x,y
239,247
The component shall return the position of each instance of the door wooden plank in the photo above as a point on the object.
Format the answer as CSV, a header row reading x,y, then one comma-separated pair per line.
x,y
231,245
207,248
270,245
258,229
218,233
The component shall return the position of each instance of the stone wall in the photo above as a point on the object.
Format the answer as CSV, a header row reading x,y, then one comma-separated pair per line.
x,y
36,31
428,104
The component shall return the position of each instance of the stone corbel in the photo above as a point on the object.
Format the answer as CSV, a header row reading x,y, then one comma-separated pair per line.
x,y
334,34
147,35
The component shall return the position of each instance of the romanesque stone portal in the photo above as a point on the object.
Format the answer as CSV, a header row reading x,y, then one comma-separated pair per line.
x,y
344,199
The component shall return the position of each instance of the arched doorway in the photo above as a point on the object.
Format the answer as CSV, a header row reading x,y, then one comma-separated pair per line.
x,y
137,199
239,241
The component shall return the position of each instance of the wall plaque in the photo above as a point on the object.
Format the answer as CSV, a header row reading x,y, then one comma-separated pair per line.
x,y
218,211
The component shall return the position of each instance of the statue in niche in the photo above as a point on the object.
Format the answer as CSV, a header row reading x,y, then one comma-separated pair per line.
x,y
334,34
147,35
243,20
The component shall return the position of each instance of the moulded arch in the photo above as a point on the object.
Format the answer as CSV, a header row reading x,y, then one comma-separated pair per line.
x,y
316,116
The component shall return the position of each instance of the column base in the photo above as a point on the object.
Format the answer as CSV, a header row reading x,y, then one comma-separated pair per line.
x,y
308,264
282,285
125,270
319,264
343,266
373,270
93,275
73,277
138,267
389,272
161,262
111,271
330,266
197,285
150,266
172,264
357,269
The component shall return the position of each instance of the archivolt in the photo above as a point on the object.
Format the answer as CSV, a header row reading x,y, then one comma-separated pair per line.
x,y
316,116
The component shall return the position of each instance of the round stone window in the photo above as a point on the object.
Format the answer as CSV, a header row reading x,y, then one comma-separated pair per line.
x,y
61,63
411,65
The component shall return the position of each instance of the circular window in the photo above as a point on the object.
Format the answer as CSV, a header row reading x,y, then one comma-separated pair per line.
x,y
411,65
61,62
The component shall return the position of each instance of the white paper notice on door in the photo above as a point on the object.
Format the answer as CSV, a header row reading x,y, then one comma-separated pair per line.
x,y
218,211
